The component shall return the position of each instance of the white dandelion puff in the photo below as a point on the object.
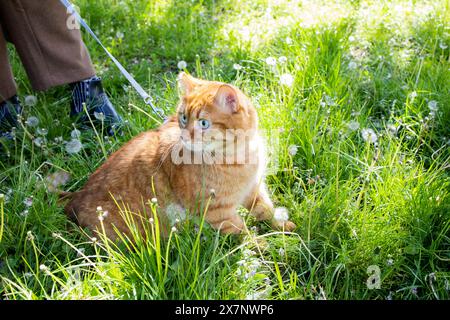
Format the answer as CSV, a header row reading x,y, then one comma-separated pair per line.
x,y
175,212
24,213
30,236
292,150
353,125
75,134
99,116
38,141
281,214
369,135
30,101
282,59
28,202
286,79
271,61
42,131
433,105
73,146
237,66
352,65
182,65
32,121
119,35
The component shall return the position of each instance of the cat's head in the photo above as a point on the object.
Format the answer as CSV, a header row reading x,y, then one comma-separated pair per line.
x,y
212,108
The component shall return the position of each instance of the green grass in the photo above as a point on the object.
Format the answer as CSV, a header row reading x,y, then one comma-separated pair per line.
x,y
370,64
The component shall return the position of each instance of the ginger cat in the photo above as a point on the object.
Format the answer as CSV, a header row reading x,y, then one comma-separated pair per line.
x,y
158,164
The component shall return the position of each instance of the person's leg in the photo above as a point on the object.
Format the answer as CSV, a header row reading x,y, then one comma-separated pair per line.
x,y
51,52
8,87
9,103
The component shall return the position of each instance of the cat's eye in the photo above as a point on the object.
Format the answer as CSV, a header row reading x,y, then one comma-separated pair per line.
x,y
183,119
204,124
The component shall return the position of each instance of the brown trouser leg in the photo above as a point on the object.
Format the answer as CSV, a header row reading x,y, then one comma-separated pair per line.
x,y
51,53
7,83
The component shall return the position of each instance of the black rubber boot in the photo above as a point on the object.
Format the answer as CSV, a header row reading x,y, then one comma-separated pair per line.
x,y
9,110
99,107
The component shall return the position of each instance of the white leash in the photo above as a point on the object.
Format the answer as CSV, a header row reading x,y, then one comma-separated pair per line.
x,y
145,96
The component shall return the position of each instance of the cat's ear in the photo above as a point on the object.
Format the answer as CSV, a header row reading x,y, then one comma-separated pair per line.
x,y
187,83
227,98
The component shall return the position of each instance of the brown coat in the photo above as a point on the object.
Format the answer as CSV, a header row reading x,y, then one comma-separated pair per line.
x,y
51,52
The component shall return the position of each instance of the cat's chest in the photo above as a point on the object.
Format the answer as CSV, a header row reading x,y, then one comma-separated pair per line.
x,y
230,182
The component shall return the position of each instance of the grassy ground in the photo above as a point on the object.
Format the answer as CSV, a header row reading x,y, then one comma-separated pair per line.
x,y
372,207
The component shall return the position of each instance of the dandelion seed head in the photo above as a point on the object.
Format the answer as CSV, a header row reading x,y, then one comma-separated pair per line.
x,y
119,35
353,125
271,61
174,229
75,134
413,95
32,121
237,66
292,150
30,101
352,65
175,212
30,236
433,105
24,213
99,116
42,131
281,214
182,65
154,200
369,135
286,79
282,59
73,146
28,202
38,141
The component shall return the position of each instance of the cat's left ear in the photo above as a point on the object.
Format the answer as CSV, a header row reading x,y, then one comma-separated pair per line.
x,y
227,98
187,83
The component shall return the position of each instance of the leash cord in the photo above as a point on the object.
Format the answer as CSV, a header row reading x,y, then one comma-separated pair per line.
x,y
145,96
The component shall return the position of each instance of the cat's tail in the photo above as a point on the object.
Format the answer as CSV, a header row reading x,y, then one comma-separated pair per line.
x,y
64,195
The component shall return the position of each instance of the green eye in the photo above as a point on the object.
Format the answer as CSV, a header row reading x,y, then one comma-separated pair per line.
x,y
204,124
183,119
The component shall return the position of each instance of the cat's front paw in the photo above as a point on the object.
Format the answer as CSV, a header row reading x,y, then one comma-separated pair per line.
x,y
280,220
